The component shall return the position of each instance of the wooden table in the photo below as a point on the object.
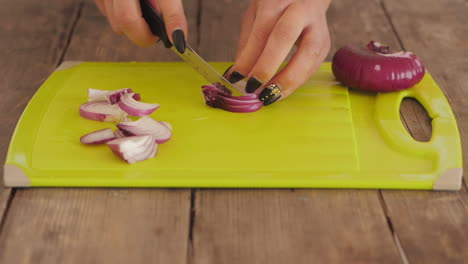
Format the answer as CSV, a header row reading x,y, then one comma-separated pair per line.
x,y
83,225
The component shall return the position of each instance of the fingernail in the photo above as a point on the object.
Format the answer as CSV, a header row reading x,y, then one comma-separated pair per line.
x,y
270,94
179,40
235,77
224,74
252,85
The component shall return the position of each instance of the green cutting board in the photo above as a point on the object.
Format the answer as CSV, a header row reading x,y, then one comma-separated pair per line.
x,y
323,135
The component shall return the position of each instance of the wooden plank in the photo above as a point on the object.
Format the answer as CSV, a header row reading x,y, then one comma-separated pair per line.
x,y
94,39
96,226
283,226
432,226
32,40
81,225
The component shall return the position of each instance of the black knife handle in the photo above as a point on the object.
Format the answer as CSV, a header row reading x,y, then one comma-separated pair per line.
x,y
155,22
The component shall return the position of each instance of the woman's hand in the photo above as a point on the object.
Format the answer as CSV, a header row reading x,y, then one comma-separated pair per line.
x,y
270,29
125,18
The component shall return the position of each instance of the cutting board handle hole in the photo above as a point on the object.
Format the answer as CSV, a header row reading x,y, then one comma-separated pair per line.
x,y
415,119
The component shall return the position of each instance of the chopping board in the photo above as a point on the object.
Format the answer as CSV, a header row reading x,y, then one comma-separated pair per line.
x,y
322,136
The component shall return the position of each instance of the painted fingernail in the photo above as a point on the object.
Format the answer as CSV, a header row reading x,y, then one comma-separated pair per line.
x,y
179,40
270,94
224,74
252,85
235,77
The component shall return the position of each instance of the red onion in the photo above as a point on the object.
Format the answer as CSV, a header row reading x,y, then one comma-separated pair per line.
x,y
146,126
134,149
376,68
101,111
98,137
119,134
218,96
166,124
112,96
134,108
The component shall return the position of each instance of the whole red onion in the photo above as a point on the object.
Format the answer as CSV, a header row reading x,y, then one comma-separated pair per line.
x,y
376,68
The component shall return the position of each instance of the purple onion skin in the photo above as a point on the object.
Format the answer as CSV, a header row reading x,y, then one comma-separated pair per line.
x,y
218,96
376,68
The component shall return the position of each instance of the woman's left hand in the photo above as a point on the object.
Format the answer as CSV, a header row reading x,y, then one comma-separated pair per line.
x,y
270,29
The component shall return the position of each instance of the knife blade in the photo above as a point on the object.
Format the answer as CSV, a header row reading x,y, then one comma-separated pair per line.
x,y
202,67
158,27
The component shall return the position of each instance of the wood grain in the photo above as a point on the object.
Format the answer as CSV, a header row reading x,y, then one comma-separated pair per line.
x,y
280,226
96,226
81,225
432,227
94,40
32,40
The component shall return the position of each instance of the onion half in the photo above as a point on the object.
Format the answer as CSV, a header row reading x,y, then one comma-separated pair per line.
x,y
376,68
101,111
218,96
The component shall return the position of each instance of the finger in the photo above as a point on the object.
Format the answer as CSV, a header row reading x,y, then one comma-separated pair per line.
x,y
312,50
128,18
281,40
176,23
101,6
265,20
246,29
109,11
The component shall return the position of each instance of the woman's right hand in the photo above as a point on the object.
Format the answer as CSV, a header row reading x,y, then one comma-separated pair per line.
x,y
125,18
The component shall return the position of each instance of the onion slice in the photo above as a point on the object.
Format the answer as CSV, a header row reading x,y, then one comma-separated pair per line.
x,y
376,68
166,124
134,108
101,111
98,137
218,96
146,126
103,95
134,149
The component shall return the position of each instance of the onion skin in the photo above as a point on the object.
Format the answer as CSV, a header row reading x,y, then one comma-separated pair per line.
x,y
376,68
218,96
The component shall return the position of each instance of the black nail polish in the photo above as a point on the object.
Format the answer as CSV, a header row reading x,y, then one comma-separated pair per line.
x,y
179,40
224,74
235,77
252,85
270,94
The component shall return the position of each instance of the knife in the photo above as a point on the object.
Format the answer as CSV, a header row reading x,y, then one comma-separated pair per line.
x,y
158,27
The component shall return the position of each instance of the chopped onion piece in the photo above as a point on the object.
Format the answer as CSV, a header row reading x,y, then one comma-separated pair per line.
x,y
135,108
166,124
146,126
134,149
102,95
101,111
98,137
218,96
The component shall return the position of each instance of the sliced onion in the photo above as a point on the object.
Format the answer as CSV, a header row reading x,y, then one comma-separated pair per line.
x,y
166,124
376,68
135,108
134,149
218,96
101,111
98,137
146,126
119,134
114,96
102,95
